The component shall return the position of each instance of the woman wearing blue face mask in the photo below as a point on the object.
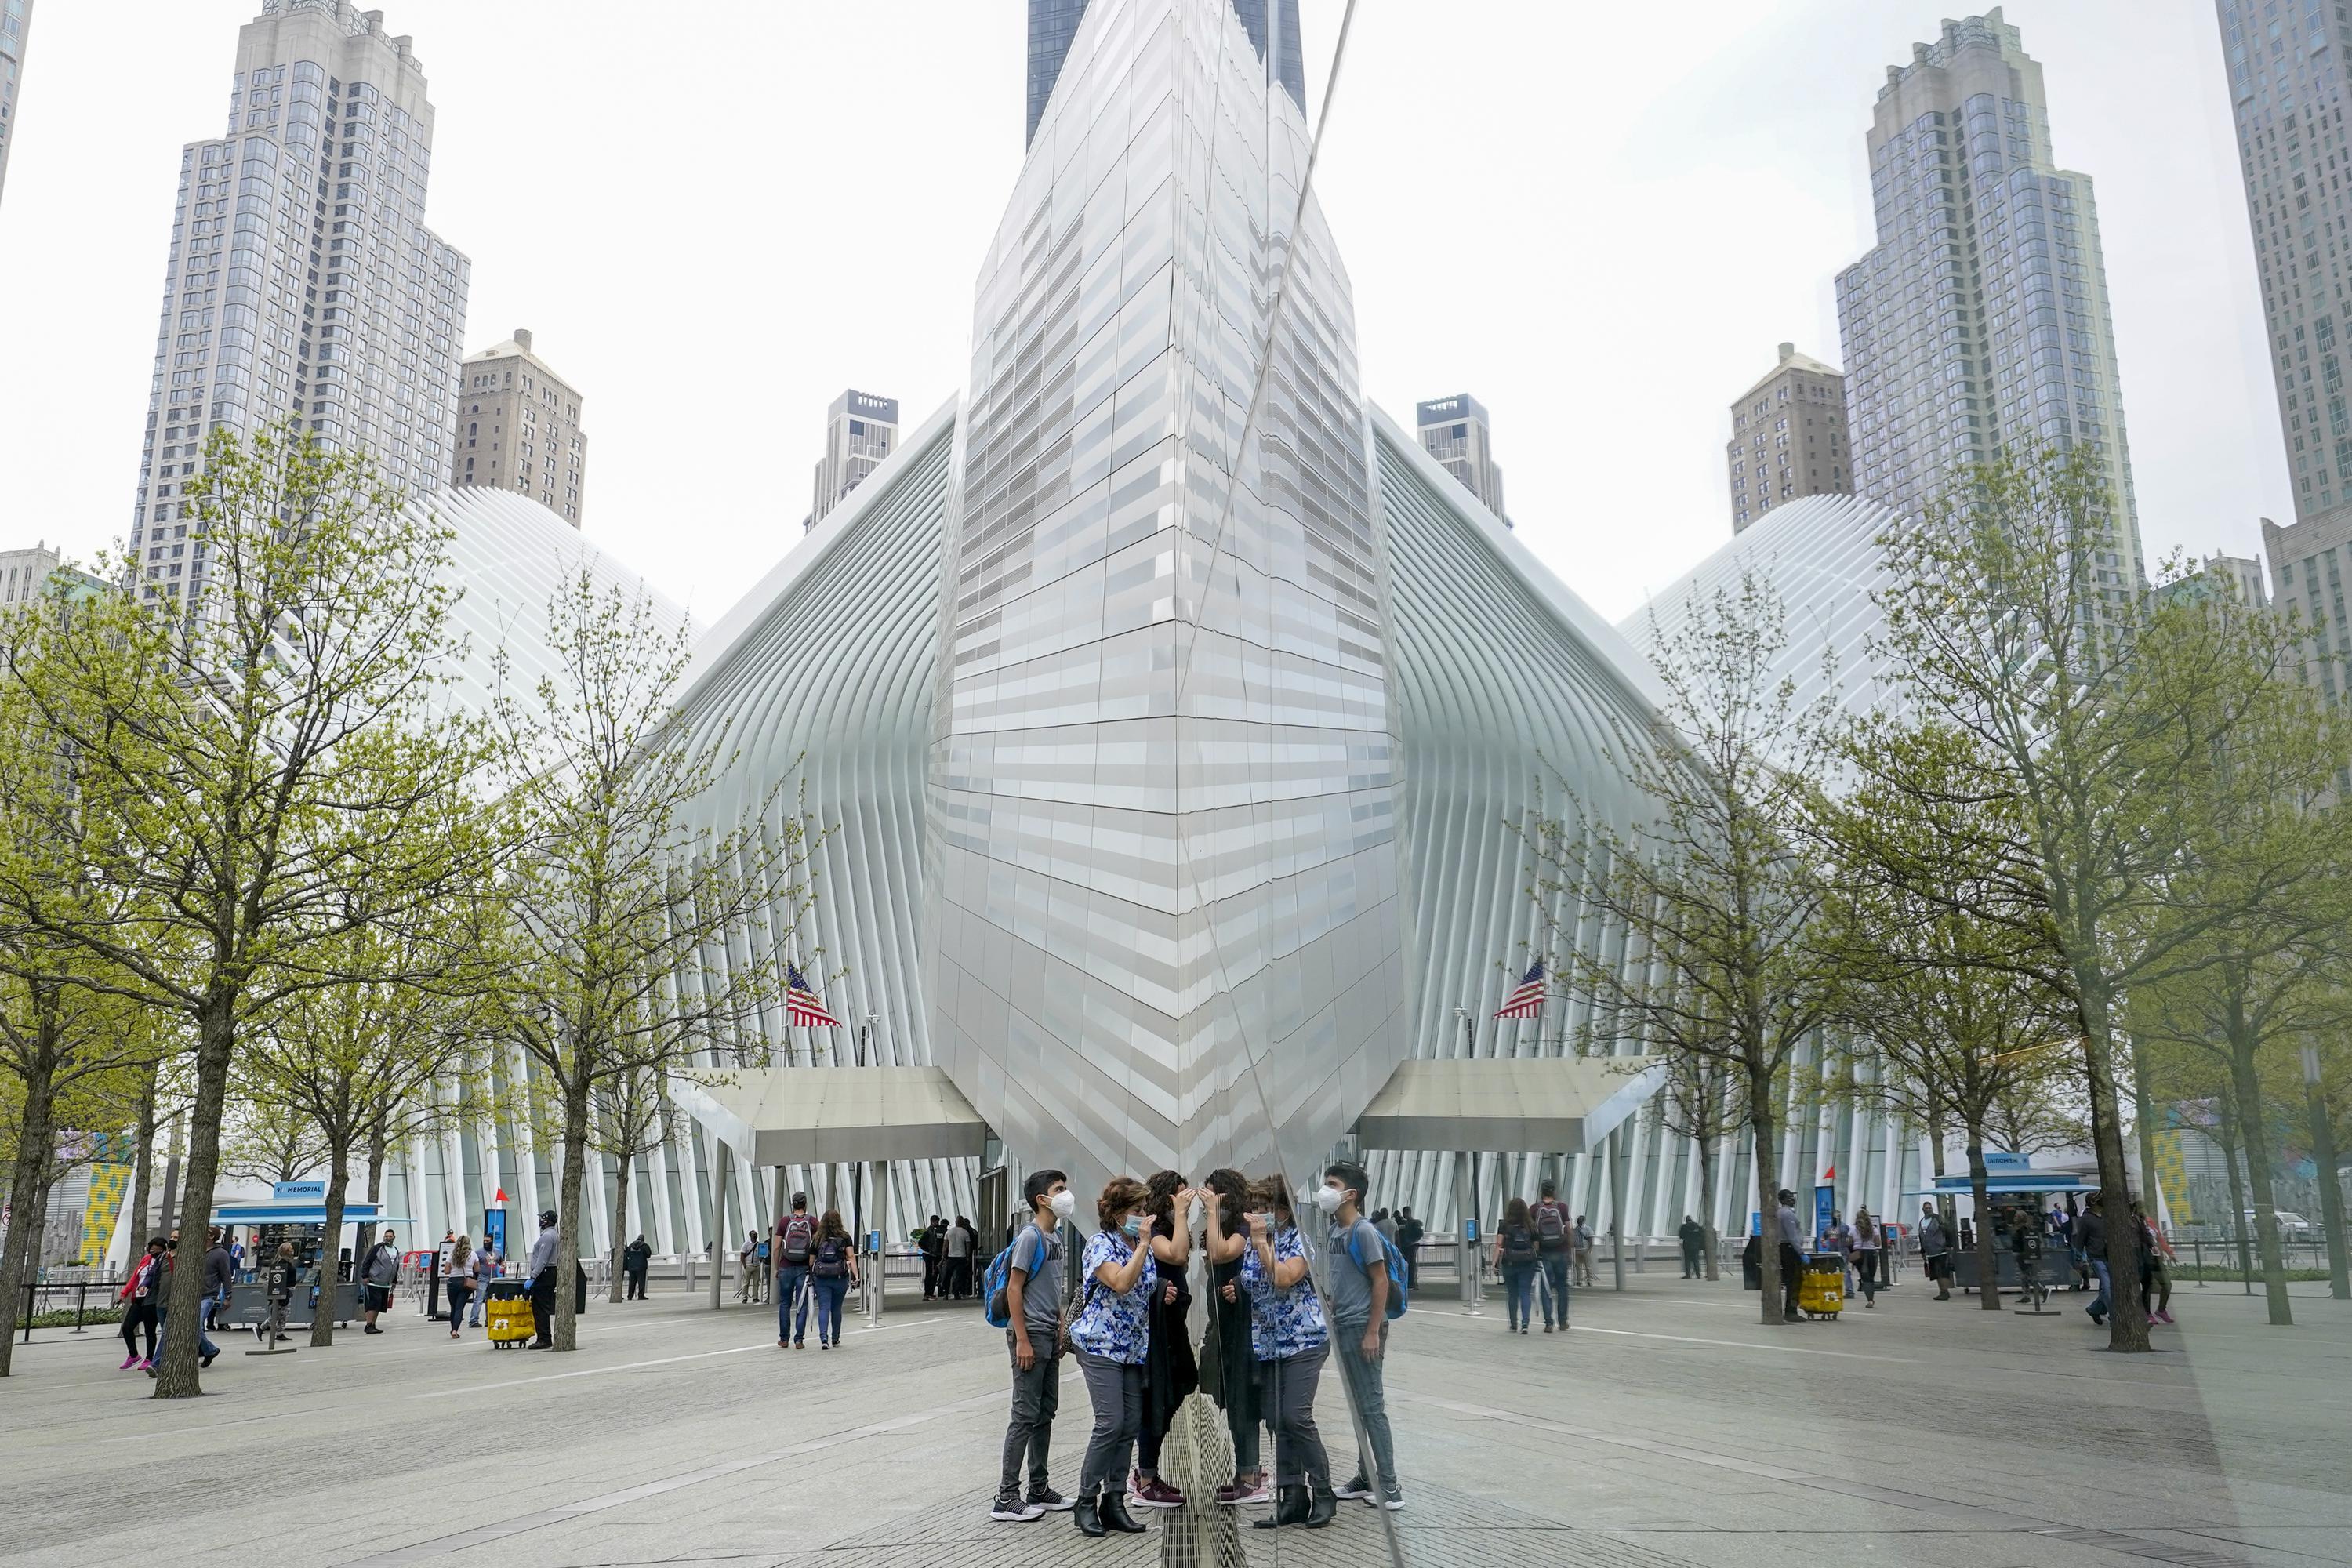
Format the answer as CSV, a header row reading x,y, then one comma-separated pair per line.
x,y
1112,1338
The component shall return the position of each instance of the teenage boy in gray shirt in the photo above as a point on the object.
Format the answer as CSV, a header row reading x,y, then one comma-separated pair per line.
x,y
1033,1334
1359,1326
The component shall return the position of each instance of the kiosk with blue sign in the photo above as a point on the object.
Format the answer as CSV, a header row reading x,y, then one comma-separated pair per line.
x,y
2016,1192
296,1212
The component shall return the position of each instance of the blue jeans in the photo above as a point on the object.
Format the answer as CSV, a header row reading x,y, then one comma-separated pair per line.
x,y
1362,1374
1519,1286
2099,1303
792,1280
1554,1286
829,1293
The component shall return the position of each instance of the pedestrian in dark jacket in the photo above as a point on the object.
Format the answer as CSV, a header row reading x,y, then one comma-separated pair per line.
x,y
635,1259
1694,1239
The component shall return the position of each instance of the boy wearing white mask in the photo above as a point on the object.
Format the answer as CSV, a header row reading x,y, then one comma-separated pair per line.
x,y
1036,1337
1359,1325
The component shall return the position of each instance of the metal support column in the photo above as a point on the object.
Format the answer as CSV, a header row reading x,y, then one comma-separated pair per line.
x,y
722,1161
1616,1157
1466,1225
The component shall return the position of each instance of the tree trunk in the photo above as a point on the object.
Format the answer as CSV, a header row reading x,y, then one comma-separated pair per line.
x,y
2246,1082
2331,1192
27,1183
1707,1159
568,1226
168,1225
2127,1324
620,1223
339,1186
1988,1255
143,1165
379,1143
1764,1134
216,1047
2230,1152
2144,1127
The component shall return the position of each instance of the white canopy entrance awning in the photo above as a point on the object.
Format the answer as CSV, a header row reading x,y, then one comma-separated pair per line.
x,y
1553,1104
828,1115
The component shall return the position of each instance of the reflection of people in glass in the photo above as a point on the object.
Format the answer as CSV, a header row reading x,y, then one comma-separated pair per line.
x,y
1514,1260
1360,1288
1235,1384
1292,1341
1169,1373
1111,1335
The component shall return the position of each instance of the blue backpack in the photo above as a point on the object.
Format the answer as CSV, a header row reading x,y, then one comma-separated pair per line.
x,y
995,1303
1395,1260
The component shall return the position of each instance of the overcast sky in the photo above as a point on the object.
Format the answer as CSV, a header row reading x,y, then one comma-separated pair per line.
x,y
1599,220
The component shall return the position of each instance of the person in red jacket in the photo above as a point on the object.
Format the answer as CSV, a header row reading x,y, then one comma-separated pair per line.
x,y
141,1294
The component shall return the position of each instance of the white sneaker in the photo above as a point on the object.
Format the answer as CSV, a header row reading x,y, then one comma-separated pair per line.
x,y
1012,1510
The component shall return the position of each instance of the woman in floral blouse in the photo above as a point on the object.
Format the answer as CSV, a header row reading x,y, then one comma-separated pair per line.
x,y
1291,1340
1112,1336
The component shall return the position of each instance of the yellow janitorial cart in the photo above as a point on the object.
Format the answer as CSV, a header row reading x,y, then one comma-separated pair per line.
x,y
1820,1289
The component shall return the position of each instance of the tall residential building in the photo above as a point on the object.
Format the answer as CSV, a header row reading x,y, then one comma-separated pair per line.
x,y
860,430
1789,438
2309,561
24,573
301,282
1053,23
519,429
16,21
1456,432
1980,321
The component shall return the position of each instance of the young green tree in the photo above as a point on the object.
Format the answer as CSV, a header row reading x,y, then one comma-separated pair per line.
x,y
2096,709
1700,1101
253,756
629,1115
1718,901
267,1138
634,937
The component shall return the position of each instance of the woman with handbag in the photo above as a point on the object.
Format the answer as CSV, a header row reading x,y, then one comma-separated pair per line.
x,y
1228,1364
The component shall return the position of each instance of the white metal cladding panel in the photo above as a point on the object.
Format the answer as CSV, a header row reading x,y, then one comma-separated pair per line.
x,y
1503,687
827,667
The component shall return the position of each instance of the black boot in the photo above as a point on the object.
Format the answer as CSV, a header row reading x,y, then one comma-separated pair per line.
x,y
1088,1515
1321,1509
1290,1507
1113,1513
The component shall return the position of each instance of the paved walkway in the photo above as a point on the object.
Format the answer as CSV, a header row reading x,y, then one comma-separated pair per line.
x,y
1669,1430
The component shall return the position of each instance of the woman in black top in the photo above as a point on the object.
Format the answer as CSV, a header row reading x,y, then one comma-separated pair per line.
x,y
1516,1250
1169,1372
1226,1349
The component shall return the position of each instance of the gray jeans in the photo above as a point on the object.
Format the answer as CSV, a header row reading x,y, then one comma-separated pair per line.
x,y
1037,1396
1288,1396
1369,1393
1117,1389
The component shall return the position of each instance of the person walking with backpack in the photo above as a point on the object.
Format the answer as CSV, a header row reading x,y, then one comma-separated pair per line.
x,y
1036,1335
1292,1339
1366,1291
1171,1372
795,1241
1516,1258
1554,1239
1112,1336
832,1270
379,1272
1234,1382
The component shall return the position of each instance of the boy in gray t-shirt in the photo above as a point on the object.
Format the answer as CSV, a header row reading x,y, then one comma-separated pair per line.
x,y
1358,1314
1033,1292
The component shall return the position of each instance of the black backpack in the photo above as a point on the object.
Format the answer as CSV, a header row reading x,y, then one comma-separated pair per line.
x,y
1518,1244
799,1231
830,1261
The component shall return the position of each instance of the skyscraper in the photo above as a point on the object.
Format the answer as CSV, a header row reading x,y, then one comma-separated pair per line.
x,y
301,281
1053,23
1454,430
519,429
1980,321
860,430
2289,80
16,21
1789,438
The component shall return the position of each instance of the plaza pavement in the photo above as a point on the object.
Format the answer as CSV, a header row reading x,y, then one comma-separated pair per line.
x,y
1669,1430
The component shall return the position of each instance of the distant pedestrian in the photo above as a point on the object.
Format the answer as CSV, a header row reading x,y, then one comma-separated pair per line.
x,y
1409,1232
1694,1239
2155,1276
279,1279
379,1271
540,1270
1792,1237
489,1264
960,1241
1868,1240
1386,1223
1582,1246
220,1277
2091,1234
461,1282
933,1245
1935,1251
636,1259
795,1241
1035,1336
1292,1341
1359,1259
1555,1240
832,1270
1838,1237
1234,1384
141,1293
1516,1258
1111,1334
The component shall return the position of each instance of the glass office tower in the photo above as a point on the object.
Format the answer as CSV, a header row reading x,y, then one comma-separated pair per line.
x,y
1162,820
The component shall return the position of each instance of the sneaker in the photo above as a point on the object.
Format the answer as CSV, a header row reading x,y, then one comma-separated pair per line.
x,y
1156,1493
1245,1492
1011,1510
1546,1328
129,1361
1045,1500
202,1361
1356,1487
1391,1498
2163,1317
371,1329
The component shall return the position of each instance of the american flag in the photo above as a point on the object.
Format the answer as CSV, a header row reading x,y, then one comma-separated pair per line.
x,y
801,1008
1526,1001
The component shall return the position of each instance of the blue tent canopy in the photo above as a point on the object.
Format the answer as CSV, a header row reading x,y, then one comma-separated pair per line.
x,y
2029,1181
280,1212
